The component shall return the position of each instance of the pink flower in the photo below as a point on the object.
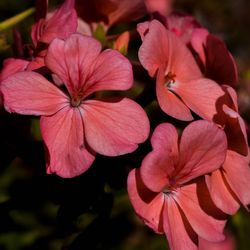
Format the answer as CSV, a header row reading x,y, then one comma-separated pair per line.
x,y
230,185
165,191
180,86
74,126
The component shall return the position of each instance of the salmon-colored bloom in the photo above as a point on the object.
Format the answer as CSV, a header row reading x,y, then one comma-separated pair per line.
x,y
180,86
165,191
230,185
73,125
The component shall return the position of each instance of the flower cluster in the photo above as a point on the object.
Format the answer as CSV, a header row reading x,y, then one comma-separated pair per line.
x,y
76,78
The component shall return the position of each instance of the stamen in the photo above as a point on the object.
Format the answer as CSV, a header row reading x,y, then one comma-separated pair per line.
x,y
75,102
167,191
170,79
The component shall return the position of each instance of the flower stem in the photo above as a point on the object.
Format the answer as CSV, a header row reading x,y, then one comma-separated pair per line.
x,y
10,22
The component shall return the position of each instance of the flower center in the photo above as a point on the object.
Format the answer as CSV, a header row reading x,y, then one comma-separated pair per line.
x,y
75,101
170,188
170,79
167,190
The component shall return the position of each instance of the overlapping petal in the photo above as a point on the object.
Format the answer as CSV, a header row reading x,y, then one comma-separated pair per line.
x,y
227,244
153,52
31,94
178,232
182,25
221,194
200,95
11,66
237,174
63,135
169,102
206,226
147,204
72,60
235,129
60,24
111,71
220,65
158,166
114,127
202,150
161,48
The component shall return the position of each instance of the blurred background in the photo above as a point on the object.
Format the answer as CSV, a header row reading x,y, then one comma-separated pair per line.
x,y
92,211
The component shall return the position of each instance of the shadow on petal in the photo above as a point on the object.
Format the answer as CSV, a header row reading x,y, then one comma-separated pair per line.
x,y
206,202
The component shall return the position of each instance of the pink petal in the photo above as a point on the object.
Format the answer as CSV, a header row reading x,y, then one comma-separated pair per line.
x,y
46,30
36,63
158,165
220,193
110,11
30,93
169,102
237,173
64,137
227,244
233,97
153,52
126,11
111,71
182,25
72,60
206,226
202,150
236,131
198,41
220,65
83,27
147,205
161,6
161,48
11,66
200,95
114,128
142,29
179,233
